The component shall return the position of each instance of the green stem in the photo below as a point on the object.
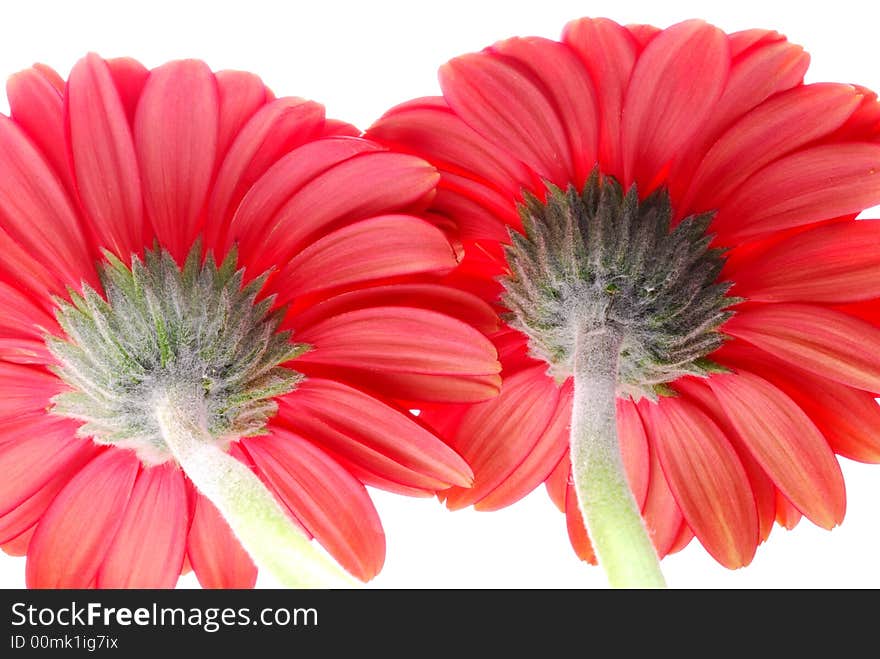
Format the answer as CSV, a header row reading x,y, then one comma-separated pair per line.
x,y
610,512
255,516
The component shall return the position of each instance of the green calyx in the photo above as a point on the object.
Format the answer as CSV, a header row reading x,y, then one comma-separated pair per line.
x,y
600,258
195,331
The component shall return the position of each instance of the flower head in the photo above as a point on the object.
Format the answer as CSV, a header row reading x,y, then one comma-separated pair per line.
x,y
672,211
193,269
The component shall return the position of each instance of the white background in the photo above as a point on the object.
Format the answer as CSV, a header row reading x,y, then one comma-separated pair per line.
x,y
360,58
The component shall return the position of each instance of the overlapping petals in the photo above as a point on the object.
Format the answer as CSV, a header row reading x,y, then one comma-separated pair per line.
x,y
118,158
727,125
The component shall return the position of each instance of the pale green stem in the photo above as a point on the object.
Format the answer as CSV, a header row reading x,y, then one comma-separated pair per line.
x,y
255,516
617,531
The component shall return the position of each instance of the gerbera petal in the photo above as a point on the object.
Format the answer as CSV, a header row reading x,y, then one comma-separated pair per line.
x,y
240,94
386,348
254,215
175,131
275,129
707,480
568,86
149,546
764,492
373,434
608,51
369,184
825,342
217,557
35,104
557,483
463,305
42,447
479,86
27,513
129,76
36,212
809,185
661,513
312,484
786,514
102,152
763,63
674,85
25,389
574,523
848,418
74,535
552,444
385,246
786,443
429,128
833,263
496,436
778,126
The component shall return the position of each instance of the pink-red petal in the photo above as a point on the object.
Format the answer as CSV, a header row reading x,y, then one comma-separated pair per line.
x,y
331,503
217,557
74,535
148,549
820,340
786,443
707,480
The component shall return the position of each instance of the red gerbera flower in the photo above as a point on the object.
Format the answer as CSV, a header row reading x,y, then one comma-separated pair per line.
x,y
164,234
666,219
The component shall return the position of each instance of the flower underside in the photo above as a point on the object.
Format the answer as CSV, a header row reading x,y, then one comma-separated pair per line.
x,y
600,259
193,333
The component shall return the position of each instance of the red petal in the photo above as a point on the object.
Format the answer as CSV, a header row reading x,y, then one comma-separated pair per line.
x,y
825,342
848,418
551,446
385,246
832,263
255,215
577,531
479,88
369,184
786,514
785,122
148,549
444,299
813,184
707,480
129,76
175,131
699,393
661,513
26,515
496,436
673,88
634,450
36,212
74,535
18,546
42,449
557,483
103,156
35,104
275,129
217,557
240,94
763,64
568,87
24,389
786,444
608,51
386,347
373,434
332,504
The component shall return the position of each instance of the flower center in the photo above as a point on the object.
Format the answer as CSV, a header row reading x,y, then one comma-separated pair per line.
x,y
601,259
194,334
